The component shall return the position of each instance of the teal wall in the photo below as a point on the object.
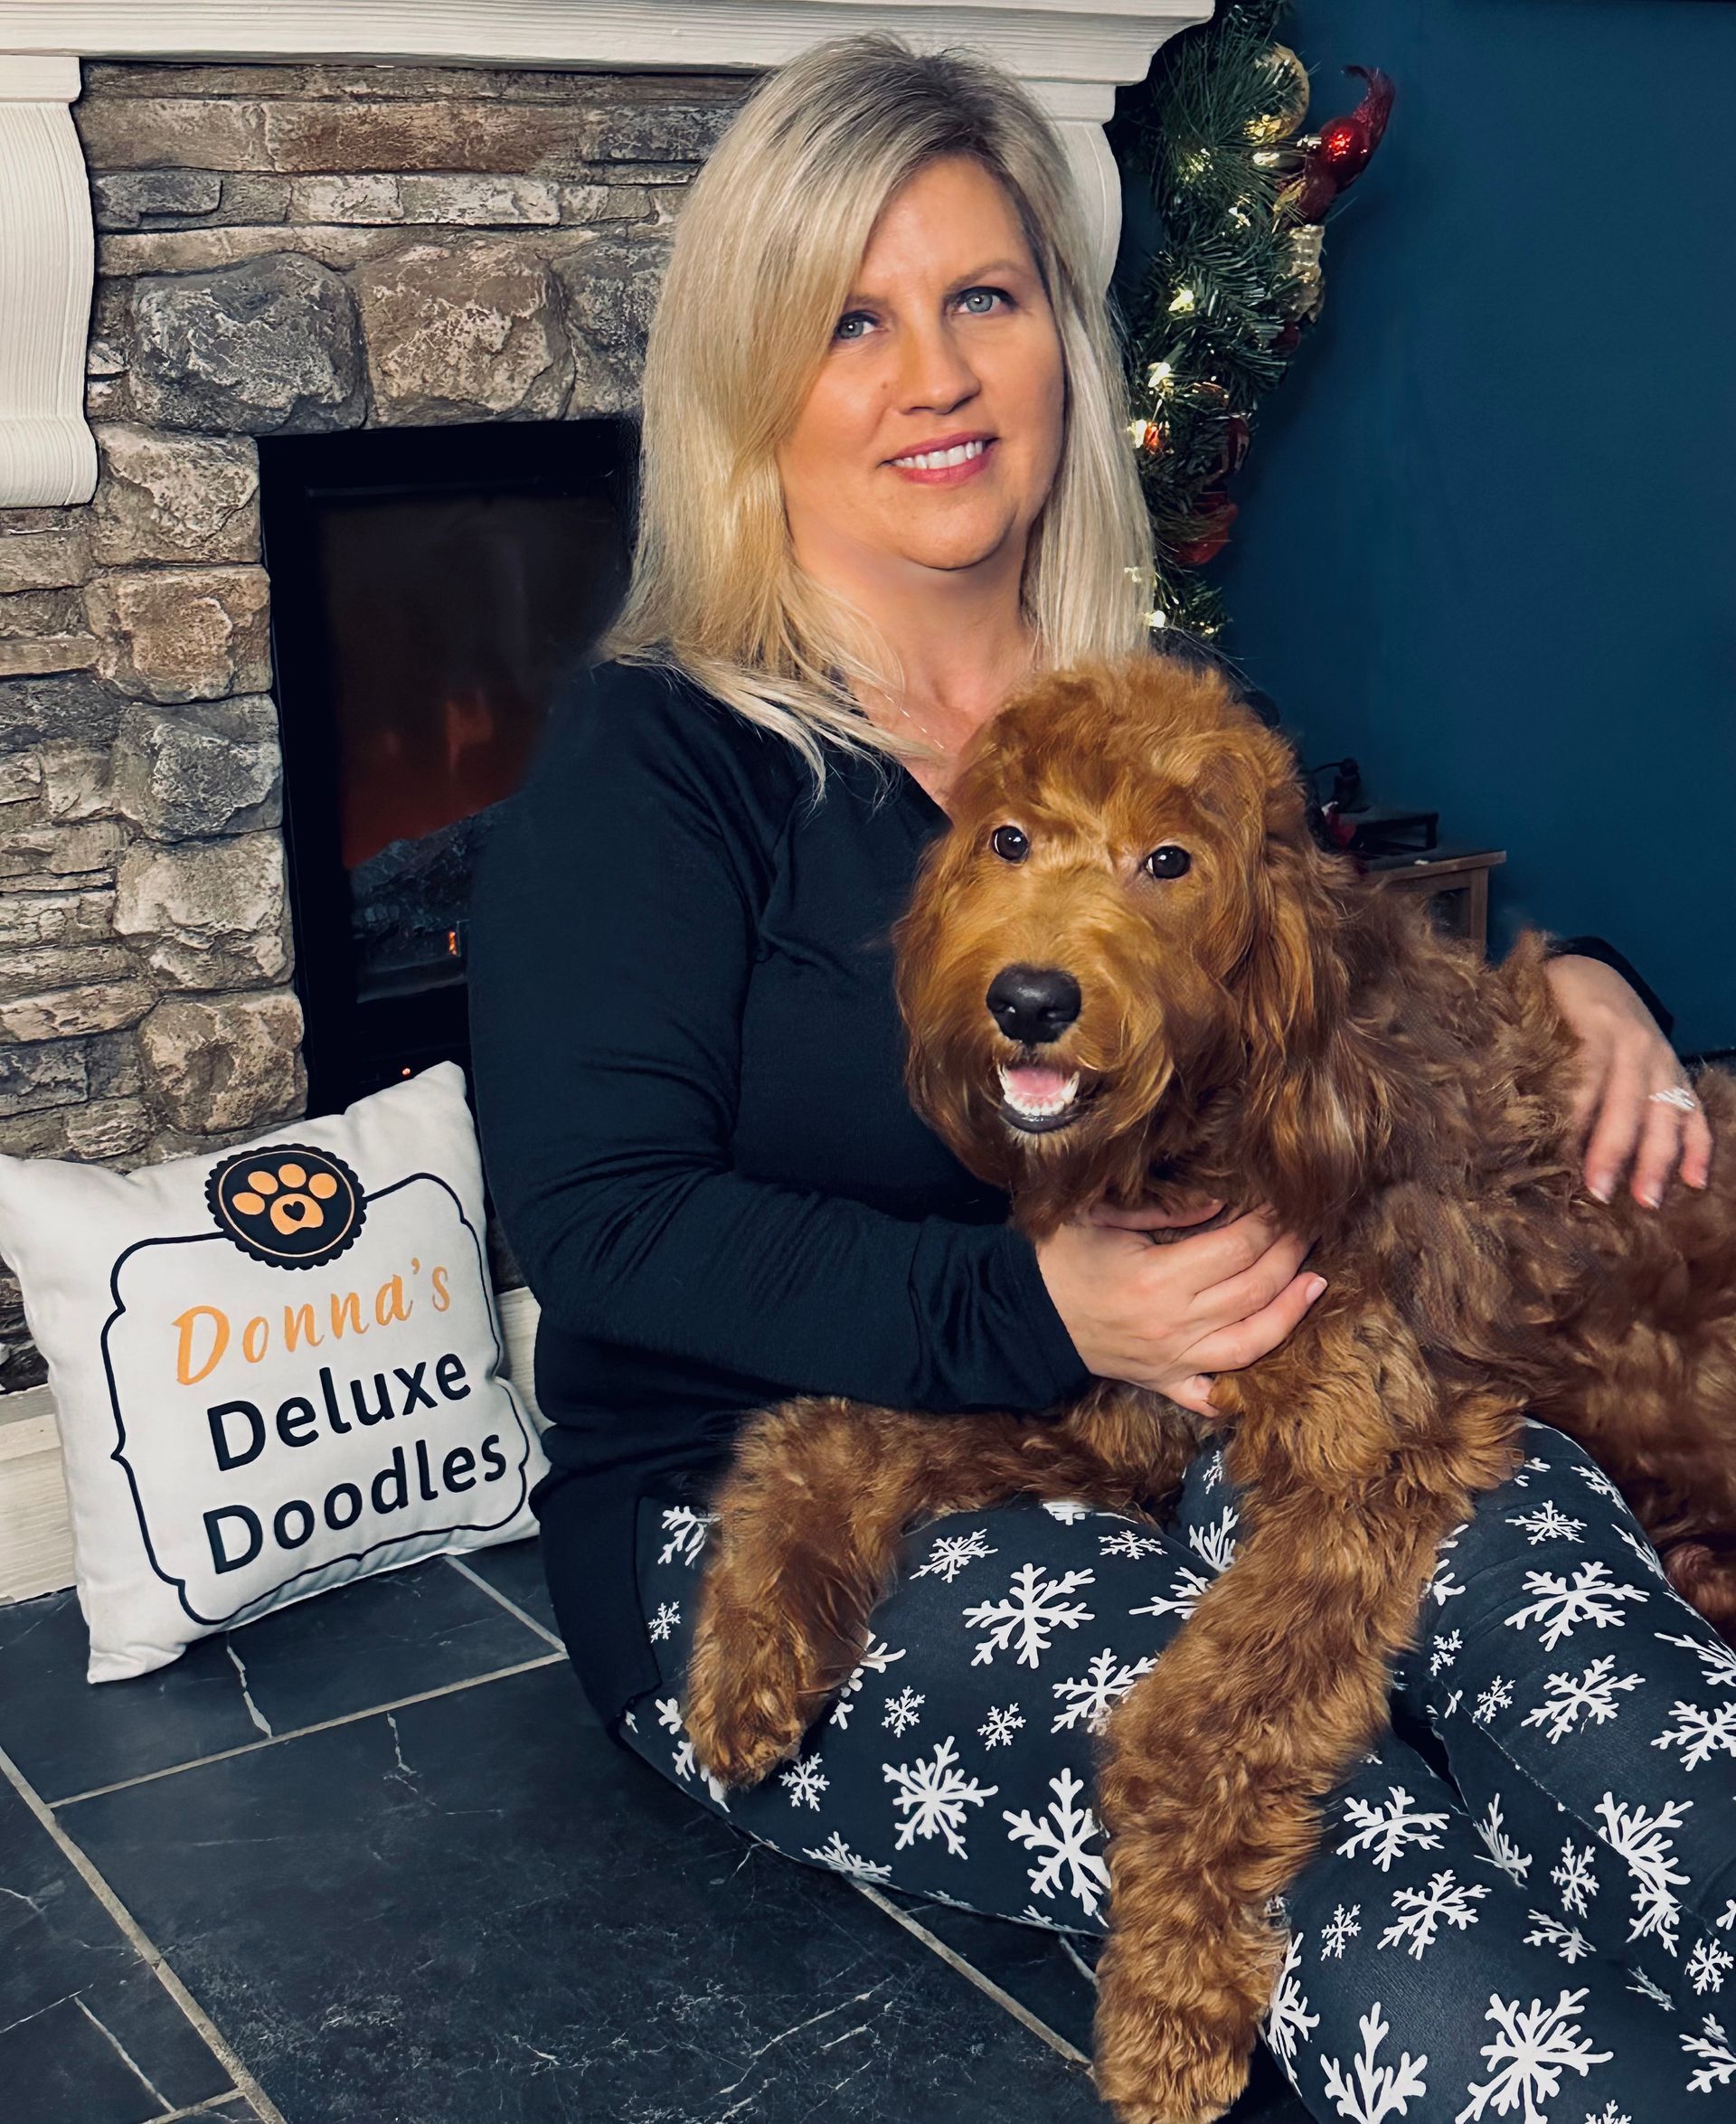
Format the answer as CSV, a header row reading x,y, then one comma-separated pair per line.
x,y
1486,534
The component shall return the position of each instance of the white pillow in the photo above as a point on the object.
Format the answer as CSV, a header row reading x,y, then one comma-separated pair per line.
x,y
275,1370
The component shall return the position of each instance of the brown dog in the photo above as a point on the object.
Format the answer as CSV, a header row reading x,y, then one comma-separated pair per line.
x,y
1129,973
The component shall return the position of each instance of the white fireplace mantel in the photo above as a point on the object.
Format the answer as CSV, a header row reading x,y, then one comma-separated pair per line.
x,y
1072,54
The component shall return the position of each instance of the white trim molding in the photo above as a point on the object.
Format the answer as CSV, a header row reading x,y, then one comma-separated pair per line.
x,y
47,272
1073,54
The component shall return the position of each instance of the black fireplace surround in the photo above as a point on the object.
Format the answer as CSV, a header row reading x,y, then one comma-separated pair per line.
x,y
430,589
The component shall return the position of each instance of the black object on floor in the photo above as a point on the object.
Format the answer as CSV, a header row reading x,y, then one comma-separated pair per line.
x,y
371,1861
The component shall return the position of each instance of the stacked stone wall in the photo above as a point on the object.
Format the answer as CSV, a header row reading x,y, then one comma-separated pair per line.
x,y
280,250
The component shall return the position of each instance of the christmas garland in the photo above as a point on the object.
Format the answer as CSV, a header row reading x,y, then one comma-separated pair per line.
x,y
1223,303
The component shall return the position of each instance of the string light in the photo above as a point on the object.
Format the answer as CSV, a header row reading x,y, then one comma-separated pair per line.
x,y
1182,303
1159,375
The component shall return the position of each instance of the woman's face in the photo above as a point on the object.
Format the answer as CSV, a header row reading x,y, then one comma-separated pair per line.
x,y
930,438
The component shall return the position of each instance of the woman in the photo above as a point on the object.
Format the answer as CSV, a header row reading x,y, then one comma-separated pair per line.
x,y
885,479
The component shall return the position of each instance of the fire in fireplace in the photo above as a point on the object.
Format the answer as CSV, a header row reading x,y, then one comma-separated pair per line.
x,y
430,587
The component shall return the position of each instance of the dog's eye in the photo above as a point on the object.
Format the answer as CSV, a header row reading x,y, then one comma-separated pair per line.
x,y
1169,862
1009,844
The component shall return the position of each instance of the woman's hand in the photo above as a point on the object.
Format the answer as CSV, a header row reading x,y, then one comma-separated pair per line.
x,y
1625,1059
1168,1316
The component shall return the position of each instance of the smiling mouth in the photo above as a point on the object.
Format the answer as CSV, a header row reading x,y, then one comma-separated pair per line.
x,y
941,460
1037,1098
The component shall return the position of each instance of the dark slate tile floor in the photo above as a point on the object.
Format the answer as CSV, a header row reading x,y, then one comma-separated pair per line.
x,y
371,1861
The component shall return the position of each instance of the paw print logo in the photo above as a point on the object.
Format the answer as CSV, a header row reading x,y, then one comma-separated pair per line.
x,y
286,1205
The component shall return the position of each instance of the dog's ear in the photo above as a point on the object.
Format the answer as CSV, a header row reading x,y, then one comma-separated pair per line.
x,y
1313,1114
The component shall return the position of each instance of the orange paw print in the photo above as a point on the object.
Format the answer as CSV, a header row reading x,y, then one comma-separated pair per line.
x,y
286,1205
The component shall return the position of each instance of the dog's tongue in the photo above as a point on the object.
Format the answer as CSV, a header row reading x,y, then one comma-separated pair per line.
x,y
1035,1086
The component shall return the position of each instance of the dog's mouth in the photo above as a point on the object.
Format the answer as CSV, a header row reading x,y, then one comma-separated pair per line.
x,y
1037,1098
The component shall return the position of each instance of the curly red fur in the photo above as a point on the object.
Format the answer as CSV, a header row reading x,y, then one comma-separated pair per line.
x,y
1270,1026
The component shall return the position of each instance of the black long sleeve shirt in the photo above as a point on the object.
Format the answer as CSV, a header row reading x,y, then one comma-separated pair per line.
x,y
688,1069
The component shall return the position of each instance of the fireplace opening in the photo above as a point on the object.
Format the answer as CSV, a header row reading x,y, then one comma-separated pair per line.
x,y
431,588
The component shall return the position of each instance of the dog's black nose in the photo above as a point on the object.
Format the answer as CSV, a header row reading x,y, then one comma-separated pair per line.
x,y
1034,1003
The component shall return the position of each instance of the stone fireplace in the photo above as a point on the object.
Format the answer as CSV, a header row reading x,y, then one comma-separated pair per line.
x,y
225,228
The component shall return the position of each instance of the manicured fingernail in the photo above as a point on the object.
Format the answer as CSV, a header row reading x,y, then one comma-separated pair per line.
x,y
1651,1197
1316,1284
1599,1186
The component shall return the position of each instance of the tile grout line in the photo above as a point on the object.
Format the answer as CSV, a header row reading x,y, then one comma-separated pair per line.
x,y
973,1975
324,1725
216,2042
512,1607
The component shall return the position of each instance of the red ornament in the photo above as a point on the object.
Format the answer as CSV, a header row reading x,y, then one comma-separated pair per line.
x,y
1343,148
1346,145
1214,515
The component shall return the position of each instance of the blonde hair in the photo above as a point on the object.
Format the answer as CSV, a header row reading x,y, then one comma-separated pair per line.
x,y
767,243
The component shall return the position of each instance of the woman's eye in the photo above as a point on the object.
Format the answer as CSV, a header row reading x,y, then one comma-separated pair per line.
x,y
1169,862
852,325
1009,844
982,302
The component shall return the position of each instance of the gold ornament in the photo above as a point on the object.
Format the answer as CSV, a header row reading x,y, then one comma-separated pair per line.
x,y
1290,95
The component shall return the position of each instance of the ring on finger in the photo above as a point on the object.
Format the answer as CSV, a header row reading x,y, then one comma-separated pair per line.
x,y
1678,1096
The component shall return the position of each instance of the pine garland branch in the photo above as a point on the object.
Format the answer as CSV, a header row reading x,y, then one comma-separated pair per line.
x,y
1220,308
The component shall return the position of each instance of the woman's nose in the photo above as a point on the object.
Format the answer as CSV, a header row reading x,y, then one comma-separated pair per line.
x,y
937,376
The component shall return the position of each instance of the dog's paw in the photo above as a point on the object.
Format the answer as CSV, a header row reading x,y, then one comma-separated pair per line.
x,y
745,1717
1159,2064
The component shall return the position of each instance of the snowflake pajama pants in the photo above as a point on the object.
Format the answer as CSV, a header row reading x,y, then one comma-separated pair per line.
x,y
1524,1902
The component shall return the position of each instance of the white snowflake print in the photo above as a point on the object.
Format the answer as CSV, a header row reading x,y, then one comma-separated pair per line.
x,y
1576,1877
1546,1523
1497,1697
1446,1901
1215,1545
1287,2020
1502,1849
687,1530
1641,1838
837,1854
1454,1697
1212,1473
1128,1542
934,1793
1092,1698
1339,1930
1567,1941
1640,1982
664,1621
1643,1548
1068,1510
1183,1597
1591,1696
1561,1606
904,1710
1534,2045
1608,2114
1001,1725
878,1656
1708,1965
629,1722
1700,1731
1062,1841
951,1552
1377,2091
686,1761
1384,1831
1521,1476
1446,1649
1034,1608
1727,1921
1712,2045
1030,1915
1442,1584
1594,1478
1715,1656
805,1781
